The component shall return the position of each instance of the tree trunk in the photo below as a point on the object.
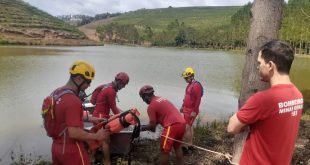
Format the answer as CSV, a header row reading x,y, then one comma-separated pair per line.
x,y
265,26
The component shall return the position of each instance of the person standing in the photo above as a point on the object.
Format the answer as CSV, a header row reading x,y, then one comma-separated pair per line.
x,y
190,107
273,115
106,101
163,112
68,147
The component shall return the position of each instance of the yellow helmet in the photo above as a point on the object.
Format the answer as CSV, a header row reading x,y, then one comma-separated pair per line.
x,y
188,72
84,68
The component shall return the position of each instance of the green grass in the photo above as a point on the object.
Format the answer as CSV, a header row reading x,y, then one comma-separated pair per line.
x,y
18,14
197,17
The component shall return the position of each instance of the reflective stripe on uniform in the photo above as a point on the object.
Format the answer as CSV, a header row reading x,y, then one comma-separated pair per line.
x,y
80,152
167,135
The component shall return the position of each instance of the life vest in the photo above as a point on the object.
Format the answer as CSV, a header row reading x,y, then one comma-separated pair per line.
x,y
115,124
52,128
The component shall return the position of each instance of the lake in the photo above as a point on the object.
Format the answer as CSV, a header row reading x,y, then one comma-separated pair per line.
x,y
31,73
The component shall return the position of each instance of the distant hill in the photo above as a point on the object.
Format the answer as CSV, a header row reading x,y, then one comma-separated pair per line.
x,y
196,17
80,19
203,27
159,27
21,23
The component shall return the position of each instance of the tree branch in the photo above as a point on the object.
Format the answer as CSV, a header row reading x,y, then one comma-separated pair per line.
x,y
304,13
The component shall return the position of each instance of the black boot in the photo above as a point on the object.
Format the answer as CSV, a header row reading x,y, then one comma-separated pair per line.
x,y
191,148
185,151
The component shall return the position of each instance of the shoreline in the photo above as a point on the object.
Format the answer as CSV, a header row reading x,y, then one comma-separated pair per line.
x,y
87,42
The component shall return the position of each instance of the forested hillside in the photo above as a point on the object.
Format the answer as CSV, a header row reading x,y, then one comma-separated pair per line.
x,y
161,27
21,23
204,27
80,19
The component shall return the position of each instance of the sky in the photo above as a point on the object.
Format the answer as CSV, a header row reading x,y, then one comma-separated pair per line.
x,y
92,7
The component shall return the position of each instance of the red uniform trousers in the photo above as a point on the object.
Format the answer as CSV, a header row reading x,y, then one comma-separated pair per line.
x,y
175,131
187,116
71,154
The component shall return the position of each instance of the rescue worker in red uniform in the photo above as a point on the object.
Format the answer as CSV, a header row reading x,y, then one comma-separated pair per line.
x,y
106,101
68,147
190,107
163,112
273,115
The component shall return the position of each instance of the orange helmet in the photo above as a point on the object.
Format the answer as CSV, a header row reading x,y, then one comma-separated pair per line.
x,y
123,77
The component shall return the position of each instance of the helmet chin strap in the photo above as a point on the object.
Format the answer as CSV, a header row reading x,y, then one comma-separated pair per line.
x,y
78,86
116,89
116,84
147,98
191,79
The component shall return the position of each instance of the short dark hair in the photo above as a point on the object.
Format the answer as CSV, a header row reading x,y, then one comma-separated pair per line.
x,y
279,52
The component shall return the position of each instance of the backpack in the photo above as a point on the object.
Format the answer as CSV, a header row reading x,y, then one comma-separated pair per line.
x,y
48,112
96,92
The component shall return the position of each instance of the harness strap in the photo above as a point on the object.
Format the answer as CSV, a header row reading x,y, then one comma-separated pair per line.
x,y
56,97
135,134
122,120
63,92
192,86
136,130
105,86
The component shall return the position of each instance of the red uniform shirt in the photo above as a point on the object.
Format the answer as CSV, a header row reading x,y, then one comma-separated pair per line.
x,y
163,112
106,100
69,113
273,116
192,98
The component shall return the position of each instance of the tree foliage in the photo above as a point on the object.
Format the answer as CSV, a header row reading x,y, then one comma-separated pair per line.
x,y
80,19
231,35
119,33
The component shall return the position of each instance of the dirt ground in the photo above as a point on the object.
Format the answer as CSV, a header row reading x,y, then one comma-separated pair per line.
x,y
90,29
211,137
14,39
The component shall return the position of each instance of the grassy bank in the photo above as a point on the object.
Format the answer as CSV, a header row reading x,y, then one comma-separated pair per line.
x,y
212,136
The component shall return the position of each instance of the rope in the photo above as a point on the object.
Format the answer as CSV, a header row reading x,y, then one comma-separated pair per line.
x,y
227,155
